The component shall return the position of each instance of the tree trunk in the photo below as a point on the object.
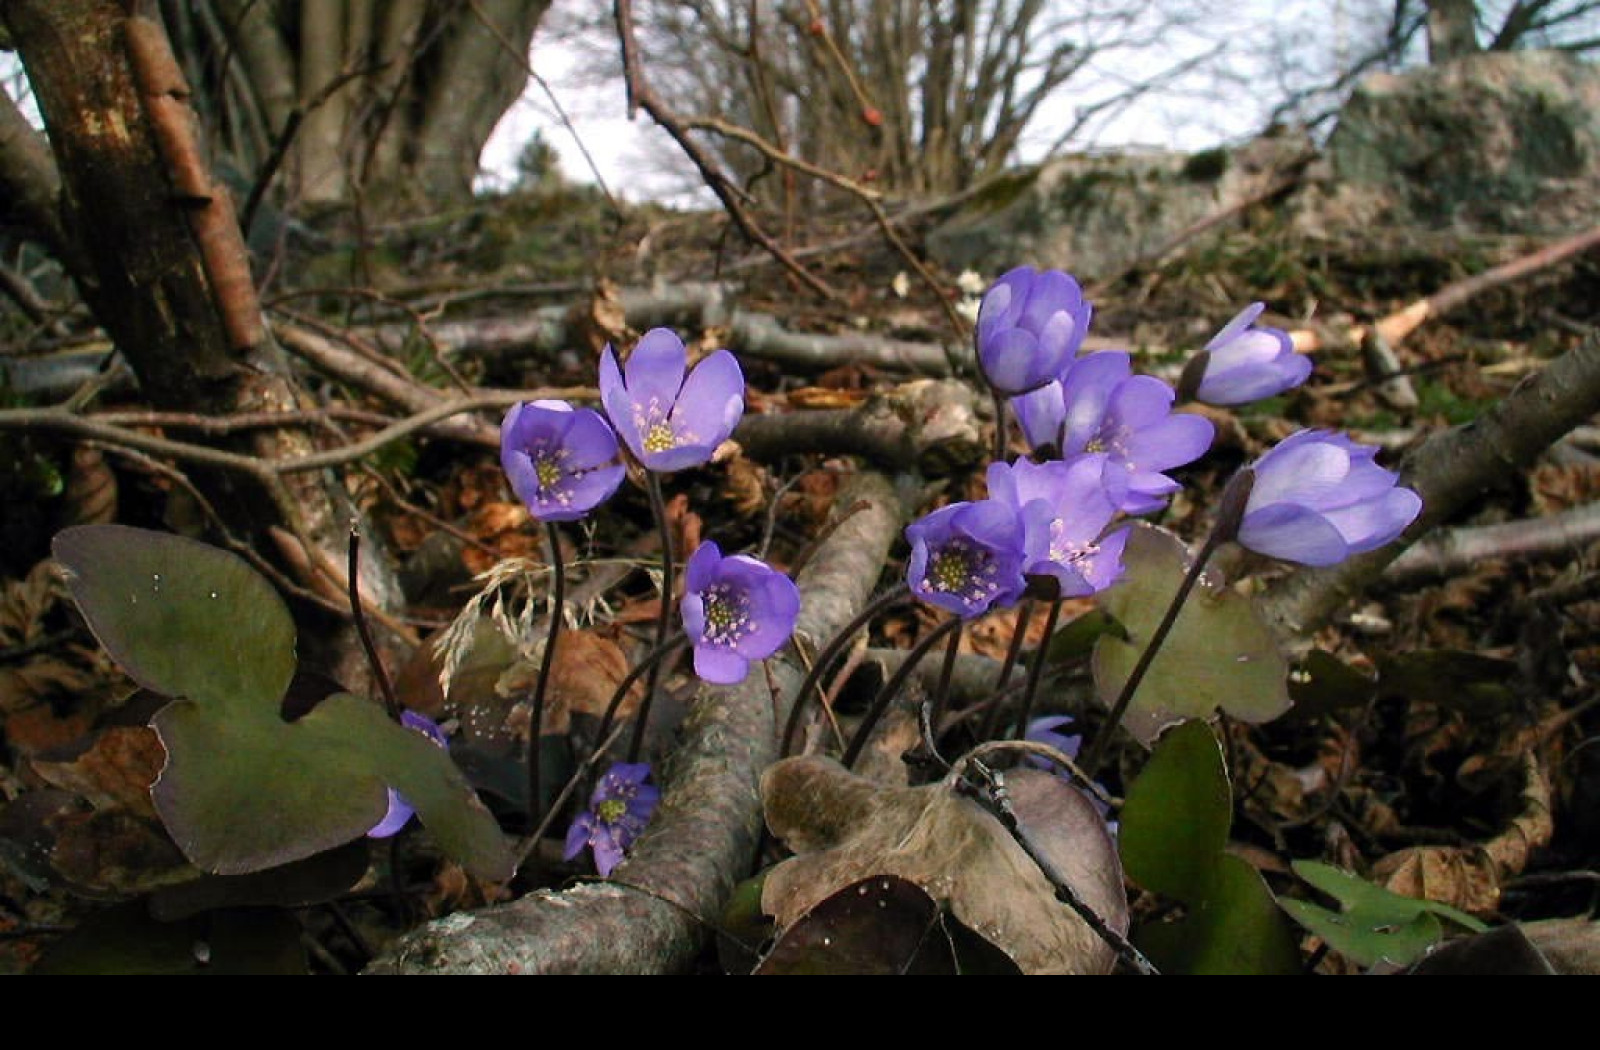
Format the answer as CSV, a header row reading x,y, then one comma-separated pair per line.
x,y
1452,29
156,252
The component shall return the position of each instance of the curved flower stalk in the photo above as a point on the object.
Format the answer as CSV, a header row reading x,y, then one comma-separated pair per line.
x,y
1064,510
1030,326
1245,363
619,809
562,462
967,557
736,610
1319,497
1101,406
400,811
671,418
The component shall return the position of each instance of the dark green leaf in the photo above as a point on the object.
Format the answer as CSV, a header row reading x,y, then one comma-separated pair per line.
x,y
1322,684
1219,654
1173,839
1175,821
310,881
1373,924
126,940
1504,951
180,617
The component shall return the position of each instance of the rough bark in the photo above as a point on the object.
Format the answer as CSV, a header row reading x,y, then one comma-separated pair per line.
x,y
703,836
29,184
163,266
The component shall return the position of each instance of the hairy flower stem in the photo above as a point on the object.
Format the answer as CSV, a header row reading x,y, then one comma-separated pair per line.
x,y
829,653
999,425
391,703
941,688
558,611
991,722
652,659
892,687
1102,740
1041,656
658,507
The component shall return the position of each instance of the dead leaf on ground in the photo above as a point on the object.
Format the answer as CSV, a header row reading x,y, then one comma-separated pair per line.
x,y
113,772
848,828
1470,877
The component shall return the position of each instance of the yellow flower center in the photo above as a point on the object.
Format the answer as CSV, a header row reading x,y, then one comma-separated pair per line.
x,y
660,438
611,810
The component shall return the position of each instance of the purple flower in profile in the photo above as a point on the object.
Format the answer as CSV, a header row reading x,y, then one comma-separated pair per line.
x,y
1244,363
1030,326
967,557
562,462
1101,406
619,809
400,810
735,610
1064,510
668,421
1319,497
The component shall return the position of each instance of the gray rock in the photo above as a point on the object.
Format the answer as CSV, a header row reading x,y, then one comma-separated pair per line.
x,y
1095,215
1493,143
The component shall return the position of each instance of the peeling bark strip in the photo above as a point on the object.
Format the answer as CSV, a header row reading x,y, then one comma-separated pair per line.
x,y
166,102
703,837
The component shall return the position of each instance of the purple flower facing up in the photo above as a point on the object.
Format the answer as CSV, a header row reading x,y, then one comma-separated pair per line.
x,y
400,810
562,462
735,610
619,809
967,557
1319,497
670,422
1244,363
1064,509
1101,406
1030,326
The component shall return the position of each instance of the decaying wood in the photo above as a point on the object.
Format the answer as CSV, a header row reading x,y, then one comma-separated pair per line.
x,y
1397,326
703,836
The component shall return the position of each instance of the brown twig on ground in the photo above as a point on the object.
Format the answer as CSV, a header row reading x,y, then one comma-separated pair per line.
x,y
653,916
1457,550
1397,326
642,96
1449,471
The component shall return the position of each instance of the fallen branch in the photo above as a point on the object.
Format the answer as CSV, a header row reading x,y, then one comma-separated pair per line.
x,y
1458,550
702,839
1397,326
1449,471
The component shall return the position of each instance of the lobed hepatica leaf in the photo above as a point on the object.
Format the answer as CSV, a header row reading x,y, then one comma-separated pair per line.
x,y
242,789
181,618
1373,925
1173,839
1219,653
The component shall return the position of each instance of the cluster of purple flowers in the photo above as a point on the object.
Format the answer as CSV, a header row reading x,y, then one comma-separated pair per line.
x,y
1105,437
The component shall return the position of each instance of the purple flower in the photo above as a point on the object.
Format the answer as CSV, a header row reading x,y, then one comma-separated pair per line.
x,y
667,421
1101,406
619,809
1030,326
967,557
1318,498
1043,731
561,462
735,609
1244,363
1064,509
400,810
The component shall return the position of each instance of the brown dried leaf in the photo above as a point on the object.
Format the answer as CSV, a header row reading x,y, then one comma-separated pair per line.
x,y
39,728
115,772
848,828
91,492
746,487
113,851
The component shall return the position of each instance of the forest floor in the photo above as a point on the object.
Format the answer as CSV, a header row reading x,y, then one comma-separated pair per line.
x,y
1439,742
